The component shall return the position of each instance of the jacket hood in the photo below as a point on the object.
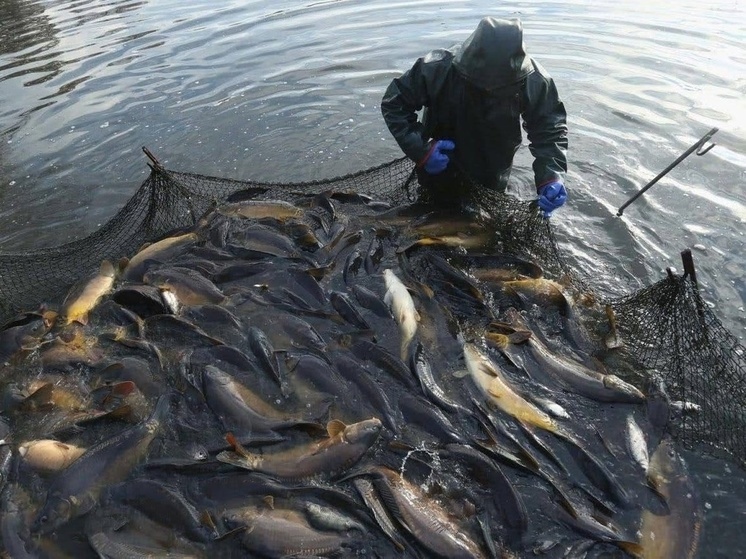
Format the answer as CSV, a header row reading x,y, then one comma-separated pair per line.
x,y
494,55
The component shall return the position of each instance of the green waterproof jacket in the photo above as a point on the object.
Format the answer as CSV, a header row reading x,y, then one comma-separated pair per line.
x,y
476,94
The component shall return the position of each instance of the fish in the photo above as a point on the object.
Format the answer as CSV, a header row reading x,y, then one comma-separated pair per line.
x,y
385,360
190,287
543,292
352,264
675,533
257,209
242,411
343,305
81,300
636,444
460,240
274,532
48,456
419,364
498,268
371,499
161,250
328,518
371,301
262,349
423,518
507,500
493,384
579,378
400,302
344,446
587,382
75,490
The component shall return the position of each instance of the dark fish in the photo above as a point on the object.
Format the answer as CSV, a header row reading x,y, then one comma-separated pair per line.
x,y
347,310
454,276
143,300
240,271
345,445
16,538
423,518
164,505
301,333
262,349
246,194
189,286
371,301
352,265
507,500
242,411
385,360
24,331
421,368
372,391
305,279
373,502
75,490
374,255
173,332
218,322
427,417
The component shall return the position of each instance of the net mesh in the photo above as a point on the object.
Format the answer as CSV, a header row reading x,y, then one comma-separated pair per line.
x,y
667,328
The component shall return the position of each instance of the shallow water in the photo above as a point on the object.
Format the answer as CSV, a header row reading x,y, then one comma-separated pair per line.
x,y
290,91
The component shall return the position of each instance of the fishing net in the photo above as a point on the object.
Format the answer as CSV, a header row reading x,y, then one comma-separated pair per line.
x,y
666,327
673,333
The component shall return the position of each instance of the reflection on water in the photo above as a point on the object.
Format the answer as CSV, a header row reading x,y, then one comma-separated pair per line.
x,y
290,91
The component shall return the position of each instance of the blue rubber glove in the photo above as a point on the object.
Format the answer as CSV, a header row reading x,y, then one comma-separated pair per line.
x,y
437,161
551,196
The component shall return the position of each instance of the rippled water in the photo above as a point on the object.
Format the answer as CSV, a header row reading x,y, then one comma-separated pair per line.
x,y
290,91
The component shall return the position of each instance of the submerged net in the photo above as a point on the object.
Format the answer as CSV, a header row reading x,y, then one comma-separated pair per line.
x,y
666,327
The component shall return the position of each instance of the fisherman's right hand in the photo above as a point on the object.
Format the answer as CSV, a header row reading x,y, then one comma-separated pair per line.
x,y
436,161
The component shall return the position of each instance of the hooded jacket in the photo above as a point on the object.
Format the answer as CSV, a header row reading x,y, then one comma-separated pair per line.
x,y
476,95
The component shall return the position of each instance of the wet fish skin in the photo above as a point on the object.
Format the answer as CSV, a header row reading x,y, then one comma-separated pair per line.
x,y
677,533
402,307
328,457
190,287
385,360
343,305
163,249
383,519
48,456
262,349
371,301
421,368
424,519
352,265
257,209
270,533
75,490
76,309
636,444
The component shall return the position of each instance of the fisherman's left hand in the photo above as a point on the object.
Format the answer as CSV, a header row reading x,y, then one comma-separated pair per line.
x,y
551,196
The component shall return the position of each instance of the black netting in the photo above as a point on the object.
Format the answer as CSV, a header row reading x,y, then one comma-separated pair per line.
x,y
674,334
666,327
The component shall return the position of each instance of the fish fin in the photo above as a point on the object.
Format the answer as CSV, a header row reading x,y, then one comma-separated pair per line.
x,y
122,264
417,316
237,447
234,459
269,501
40,396
461,373
335,427
401,445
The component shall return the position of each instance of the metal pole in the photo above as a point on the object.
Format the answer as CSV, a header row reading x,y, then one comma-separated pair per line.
x,y
700,151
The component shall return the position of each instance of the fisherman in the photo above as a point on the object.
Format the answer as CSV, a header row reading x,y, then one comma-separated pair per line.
x,y
475,95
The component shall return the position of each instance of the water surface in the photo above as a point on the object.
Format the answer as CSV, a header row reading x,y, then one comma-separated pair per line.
x,y
290,91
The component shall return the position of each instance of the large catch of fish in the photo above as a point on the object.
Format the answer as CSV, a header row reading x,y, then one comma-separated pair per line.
x,y
331,377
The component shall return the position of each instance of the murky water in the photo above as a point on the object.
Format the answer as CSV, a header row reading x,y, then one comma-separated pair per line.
x,y
290,91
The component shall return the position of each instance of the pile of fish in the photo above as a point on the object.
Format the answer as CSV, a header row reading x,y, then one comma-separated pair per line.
x,y
331,378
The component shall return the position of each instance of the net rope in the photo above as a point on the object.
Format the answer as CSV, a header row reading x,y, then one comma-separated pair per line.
x,y
666,327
